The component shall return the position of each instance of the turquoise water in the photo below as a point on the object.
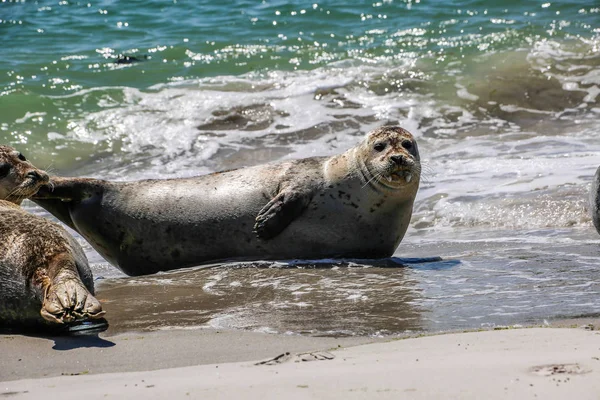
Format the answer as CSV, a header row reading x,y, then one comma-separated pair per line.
x,y
58,63
58,48
501,96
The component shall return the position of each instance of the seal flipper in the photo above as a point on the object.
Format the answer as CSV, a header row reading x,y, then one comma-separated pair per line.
x,y
58,208
65,298
273,218
57,196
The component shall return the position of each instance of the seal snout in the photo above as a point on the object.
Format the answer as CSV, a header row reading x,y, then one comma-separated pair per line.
x,y
38,176
402,161
401,166
398,159
33,181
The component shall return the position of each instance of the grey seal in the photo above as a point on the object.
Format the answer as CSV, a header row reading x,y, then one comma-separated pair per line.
x,y
355,204
45,280
595,200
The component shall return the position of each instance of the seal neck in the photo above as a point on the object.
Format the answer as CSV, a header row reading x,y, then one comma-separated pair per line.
x,y
350,166
364,174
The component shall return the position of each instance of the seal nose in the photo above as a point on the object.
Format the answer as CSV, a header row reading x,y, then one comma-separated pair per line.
x,y
398,159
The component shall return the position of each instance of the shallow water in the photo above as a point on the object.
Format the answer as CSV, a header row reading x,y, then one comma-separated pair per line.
x,y
502,97
529,277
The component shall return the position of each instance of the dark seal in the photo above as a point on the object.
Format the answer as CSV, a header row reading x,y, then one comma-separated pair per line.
x,y
595,200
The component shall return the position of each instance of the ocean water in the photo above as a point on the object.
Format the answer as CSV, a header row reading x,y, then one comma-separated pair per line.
x,y
501,96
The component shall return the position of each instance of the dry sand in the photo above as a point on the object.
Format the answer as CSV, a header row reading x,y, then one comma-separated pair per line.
x,y
549,363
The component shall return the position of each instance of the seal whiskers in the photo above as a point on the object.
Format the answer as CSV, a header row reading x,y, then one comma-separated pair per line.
x,y
377,176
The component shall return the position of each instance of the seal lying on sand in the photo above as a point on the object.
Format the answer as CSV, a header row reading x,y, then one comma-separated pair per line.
x,y
356,204
43,270
595,200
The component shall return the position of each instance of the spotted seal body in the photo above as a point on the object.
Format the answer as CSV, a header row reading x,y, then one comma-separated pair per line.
x,y
356,204
45,280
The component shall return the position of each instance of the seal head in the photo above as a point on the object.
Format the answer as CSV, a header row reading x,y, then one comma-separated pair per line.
x,y
19,179
389,159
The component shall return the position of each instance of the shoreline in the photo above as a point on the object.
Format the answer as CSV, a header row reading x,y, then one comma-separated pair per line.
x,y
553,362
33,357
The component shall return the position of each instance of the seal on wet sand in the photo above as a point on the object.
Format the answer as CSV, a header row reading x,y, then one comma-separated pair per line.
x,y
595,200
45,280
356,204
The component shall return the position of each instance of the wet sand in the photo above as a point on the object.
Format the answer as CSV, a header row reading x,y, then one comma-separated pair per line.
x,y
510,363
28,357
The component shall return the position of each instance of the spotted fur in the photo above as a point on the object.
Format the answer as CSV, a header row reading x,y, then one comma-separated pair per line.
x,y
44,275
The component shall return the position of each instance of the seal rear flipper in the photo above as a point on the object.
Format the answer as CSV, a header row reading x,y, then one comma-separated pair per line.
x,y
273,218
65,298
595,200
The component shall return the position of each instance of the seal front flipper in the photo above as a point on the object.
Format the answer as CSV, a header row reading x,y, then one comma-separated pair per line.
x,y
69,189
58,195
273,218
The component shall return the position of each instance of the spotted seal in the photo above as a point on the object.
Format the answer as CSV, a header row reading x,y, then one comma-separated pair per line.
x,y
355,204
44,275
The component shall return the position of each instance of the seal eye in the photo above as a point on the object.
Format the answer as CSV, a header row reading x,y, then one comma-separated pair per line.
x,y
21,157
379,146
407,144
4,170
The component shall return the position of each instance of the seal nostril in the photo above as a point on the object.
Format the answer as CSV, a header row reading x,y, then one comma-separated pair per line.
x,y
34,175
398,159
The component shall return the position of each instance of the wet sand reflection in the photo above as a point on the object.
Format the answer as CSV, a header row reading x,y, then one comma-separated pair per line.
x,y
313,298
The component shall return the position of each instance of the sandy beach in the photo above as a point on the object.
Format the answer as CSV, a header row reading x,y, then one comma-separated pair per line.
x,y
550,363
503,101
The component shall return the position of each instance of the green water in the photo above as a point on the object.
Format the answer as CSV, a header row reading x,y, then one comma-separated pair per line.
x,y
58,63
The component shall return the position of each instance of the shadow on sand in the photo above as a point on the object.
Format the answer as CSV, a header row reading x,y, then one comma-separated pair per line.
x,y
76,335
63,343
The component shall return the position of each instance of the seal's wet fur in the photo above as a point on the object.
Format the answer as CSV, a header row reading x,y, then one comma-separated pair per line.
x,y
44,274
355,204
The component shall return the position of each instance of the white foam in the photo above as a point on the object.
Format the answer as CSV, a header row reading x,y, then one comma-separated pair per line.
x,y
498,176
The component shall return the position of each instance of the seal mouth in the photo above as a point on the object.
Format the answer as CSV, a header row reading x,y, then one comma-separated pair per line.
x,y
400,177
29,186
390,176
397,178
33,184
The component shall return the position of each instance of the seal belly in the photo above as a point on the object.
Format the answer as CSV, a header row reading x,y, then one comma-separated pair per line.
x,y
149,226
